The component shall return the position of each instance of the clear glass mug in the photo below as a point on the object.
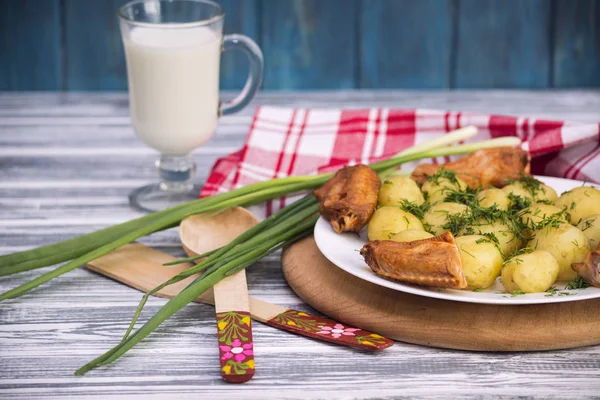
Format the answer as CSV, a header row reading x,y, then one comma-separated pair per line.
x,y
173,51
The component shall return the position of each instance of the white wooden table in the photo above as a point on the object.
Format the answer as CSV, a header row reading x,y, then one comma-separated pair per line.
x,y
67,163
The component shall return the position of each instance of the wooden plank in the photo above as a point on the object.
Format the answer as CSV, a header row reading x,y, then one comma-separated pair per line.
x,y
405,44
503,44
93,51
30,45
577,44
309,44
53,330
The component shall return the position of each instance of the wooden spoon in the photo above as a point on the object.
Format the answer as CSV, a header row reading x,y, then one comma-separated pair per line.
x,y
141,267
204,232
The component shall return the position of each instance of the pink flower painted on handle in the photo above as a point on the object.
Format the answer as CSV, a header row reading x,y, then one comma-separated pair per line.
x,y
237,350
328,330
336,331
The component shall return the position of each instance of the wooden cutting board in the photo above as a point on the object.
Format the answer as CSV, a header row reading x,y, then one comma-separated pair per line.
x,y
432,322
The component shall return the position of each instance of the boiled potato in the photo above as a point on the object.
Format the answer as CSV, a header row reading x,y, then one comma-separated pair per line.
x,y
531,189
591,228
566,243
530,273
387,221
581,202
536,213
506,277
543,192
438,188
507,240
395,189
491,196
481,260
518,189
437,216
410,235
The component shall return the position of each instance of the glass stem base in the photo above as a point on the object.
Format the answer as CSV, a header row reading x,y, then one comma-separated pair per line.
x,y
176,185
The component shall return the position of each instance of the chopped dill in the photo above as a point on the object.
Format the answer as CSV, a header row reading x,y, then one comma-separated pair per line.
x,y
575,242
477,289
516,293
443,173
573,205
518,203
553,220
469,230
466,197
388,182
406,219
546,201
553,291
416,210
427,227
577,283
491,237
467,252
531,184
587,225
524,250
455,222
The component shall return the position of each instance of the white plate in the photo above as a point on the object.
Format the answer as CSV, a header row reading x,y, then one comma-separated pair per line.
x,y
343,251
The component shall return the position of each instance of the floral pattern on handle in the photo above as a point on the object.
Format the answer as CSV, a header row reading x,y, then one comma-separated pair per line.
x,y
236,349
331,331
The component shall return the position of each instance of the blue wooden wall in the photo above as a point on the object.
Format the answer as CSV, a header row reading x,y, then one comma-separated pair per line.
x,y
326,44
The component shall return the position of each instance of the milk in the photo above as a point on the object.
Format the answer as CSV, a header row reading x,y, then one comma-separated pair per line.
x,y
173,86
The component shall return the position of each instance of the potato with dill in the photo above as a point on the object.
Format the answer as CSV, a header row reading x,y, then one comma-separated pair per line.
x,y
566,243
388,221
439,185
397,189
493,196
540,214
481,260
508,241
581,202
438,218
591,228
532,272
530,188
410,235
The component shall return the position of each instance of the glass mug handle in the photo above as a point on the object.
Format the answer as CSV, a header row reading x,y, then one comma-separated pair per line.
x,y
255,56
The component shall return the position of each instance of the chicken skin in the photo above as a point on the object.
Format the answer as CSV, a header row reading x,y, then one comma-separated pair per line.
x,y
348,200
589,269
429,262
483,168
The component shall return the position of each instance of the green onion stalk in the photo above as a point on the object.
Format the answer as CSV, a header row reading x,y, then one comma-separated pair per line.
x,y
281,229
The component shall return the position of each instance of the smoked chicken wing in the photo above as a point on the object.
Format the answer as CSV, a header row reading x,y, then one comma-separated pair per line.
x,y
349,198
428,262
589,269
486,167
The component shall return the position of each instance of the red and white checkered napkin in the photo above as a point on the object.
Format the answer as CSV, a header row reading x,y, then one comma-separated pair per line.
x,y
287,141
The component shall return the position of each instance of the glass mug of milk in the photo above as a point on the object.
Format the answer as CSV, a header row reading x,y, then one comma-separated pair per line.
x,y
173,51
